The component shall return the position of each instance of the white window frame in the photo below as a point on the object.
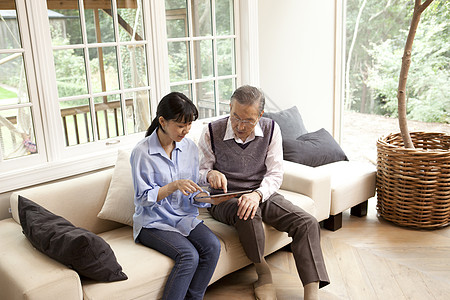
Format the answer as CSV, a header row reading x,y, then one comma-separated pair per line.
x,y
60,161
103,149
33,104
55,161
191,57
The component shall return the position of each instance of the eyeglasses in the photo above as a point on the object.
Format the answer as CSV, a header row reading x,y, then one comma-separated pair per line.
x,y
244,123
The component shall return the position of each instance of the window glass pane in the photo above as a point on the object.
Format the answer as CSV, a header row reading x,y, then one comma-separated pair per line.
x,y
134,66
17,133
99,23
13,82
178,61
76,121
130,20
183,88
175,4
226,89
70,72
176,18
224,17
205,99
108,114
201,17
9,29
103,63
138,111
225,57
176,27
204,57
65,26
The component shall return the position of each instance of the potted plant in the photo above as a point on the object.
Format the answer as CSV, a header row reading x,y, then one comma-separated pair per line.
x,y
413,168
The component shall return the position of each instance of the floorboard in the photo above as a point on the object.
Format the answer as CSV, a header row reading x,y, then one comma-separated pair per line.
x,y
368,258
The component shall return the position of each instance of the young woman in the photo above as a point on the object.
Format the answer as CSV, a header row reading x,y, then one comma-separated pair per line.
x,y
165,174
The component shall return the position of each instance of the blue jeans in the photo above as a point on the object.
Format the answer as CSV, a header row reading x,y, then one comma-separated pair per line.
x,y
195,259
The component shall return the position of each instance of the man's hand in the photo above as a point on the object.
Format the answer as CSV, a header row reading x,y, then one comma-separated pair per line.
x,y
248,204
217,180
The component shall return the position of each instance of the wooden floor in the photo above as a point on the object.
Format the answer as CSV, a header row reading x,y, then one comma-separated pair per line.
x,y
368,258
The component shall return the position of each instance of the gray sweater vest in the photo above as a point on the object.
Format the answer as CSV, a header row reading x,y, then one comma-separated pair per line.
x,y
243,165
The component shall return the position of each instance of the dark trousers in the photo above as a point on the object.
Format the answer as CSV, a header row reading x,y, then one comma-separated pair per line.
x,y
283,216
195,259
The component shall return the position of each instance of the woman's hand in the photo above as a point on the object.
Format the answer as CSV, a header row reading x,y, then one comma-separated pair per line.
x,y
187,186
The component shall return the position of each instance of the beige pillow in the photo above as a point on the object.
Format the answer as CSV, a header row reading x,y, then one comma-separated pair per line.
x,y
119,202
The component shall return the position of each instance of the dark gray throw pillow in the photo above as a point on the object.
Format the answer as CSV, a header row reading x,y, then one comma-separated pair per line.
x,y
88,254
313,149
290,122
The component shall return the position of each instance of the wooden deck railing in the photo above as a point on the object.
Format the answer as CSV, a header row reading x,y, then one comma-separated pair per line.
x,y
101,111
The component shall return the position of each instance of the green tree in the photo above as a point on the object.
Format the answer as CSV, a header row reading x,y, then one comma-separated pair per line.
x,y
377,52
428,92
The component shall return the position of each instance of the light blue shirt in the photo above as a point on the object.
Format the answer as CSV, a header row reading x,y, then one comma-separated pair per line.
x,y
153,169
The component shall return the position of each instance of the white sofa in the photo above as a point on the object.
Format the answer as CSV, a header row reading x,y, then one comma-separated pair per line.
x,y
26,273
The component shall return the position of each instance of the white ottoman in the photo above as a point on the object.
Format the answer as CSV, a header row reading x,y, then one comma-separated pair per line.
x,y
352,184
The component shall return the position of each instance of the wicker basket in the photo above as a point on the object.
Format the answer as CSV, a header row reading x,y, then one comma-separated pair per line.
x,y
413,185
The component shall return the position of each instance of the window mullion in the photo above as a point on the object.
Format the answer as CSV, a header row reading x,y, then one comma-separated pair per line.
x,y
157,54
88,71
237,42
117,44
215,62
45,71
191,60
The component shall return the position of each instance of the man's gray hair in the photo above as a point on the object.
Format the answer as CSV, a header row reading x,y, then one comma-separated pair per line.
x,y
249,95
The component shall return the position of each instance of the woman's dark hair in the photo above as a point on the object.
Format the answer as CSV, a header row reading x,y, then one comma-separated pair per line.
x,y
174,106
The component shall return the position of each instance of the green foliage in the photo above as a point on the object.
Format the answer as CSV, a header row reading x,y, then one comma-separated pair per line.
x,y
70,72
6,94
174,4
70,65
378,54
178,65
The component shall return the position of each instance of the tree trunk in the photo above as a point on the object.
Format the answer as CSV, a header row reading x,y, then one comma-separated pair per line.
x,y
362,109
406,62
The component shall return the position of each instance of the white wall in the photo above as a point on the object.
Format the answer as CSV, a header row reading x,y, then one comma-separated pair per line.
x,y
297,58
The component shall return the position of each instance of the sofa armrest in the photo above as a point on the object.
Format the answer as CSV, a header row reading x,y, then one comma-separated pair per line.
x,y
312,182
26,273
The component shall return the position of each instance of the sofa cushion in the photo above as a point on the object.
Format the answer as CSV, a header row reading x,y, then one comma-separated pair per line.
x,y
352,182
119,202
77,199
75,247
313,149
290,122
146,268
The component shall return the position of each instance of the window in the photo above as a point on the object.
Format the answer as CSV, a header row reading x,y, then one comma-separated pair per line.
x,y
202,55
80,78
376,33
20,140
100,63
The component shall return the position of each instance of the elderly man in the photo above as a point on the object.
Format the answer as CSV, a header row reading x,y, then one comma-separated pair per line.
x,y
244,152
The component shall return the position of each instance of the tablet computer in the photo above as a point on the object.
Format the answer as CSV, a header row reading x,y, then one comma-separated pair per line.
x,y
228,195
